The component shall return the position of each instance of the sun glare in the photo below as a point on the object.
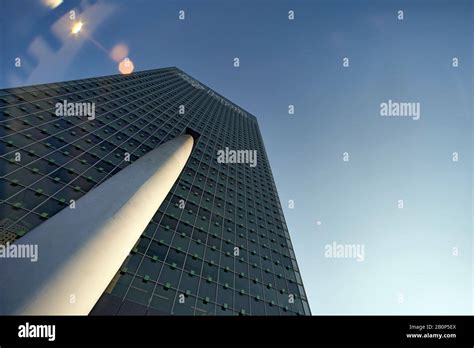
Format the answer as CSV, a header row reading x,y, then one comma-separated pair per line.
x,y
76,28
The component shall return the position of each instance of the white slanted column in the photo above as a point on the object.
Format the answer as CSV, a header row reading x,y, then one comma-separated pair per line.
x,y
80,250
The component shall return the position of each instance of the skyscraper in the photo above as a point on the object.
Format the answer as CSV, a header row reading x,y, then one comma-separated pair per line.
x,y
217,245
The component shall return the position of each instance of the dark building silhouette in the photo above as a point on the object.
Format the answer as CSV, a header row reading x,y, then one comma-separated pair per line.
x,y
218,245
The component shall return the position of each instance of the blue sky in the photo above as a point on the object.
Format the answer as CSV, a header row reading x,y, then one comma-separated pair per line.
x,y
409,266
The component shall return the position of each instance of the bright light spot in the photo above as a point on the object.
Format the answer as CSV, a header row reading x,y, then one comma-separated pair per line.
x,y
52,3
126,66
119,52
76,28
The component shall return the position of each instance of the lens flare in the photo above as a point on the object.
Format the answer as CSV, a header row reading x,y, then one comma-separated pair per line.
x,y
76,28
126,66
52,3
119,52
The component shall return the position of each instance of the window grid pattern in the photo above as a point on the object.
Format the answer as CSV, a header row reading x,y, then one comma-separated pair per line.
x,y
227,251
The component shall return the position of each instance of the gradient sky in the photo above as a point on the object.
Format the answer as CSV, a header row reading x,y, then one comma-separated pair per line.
x,y
409,251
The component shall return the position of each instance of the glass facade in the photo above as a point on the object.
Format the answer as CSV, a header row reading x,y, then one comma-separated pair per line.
x,y
218,245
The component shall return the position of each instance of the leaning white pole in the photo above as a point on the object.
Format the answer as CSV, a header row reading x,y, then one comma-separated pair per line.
x,y
80,250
